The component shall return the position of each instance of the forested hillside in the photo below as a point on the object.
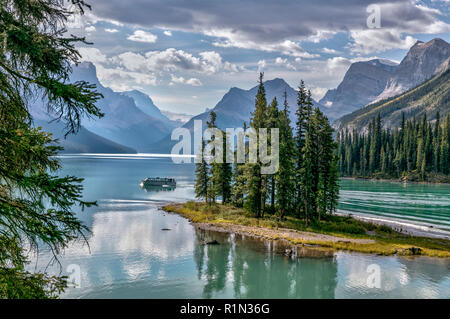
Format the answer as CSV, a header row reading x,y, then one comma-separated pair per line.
x,y
418,150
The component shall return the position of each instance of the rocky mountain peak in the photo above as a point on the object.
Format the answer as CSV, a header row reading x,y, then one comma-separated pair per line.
x,y
421,63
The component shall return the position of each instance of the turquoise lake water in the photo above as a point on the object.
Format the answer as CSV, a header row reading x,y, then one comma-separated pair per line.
x,y
129,256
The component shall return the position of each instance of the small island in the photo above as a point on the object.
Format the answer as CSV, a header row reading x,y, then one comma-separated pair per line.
x,y
335,232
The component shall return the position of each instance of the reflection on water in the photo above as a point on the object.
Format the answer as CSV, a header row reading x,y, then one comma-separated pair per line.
x,y
155,189
131,256
255,269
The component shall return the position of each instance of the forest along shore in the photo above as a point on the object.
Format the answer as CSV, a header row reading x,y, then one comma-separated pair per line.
x,y
334,232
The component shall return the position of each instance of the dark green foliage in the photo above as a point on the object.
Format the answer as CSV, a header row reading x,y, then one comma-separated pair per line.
x,y
419,149
202,180
215,179
285,178
256,183
36,206
306,183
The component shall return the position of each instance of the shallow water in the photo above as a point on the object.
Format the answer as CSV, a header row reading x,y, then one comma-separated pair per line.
x,y
129,256
425,207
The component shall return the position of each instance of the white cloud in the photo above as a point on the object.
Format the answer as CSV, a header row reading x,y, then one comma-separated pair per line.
x,y
261,65
338,63
280,26
317,92
143,36
286,47
111,30
122,80
329,51
379,40
181,80
285,62
171,60
194,82
321,35
168,33
93,55
90,28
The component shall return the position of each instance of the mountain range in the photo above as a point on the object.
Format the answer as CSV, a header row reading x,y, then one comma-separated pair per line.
x,y
376,80
422,62
236,106
429,98
363,82
132,119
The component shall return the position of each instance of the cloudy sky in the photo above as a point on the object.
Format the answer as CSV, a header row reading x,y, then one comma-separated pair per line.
x,y
187,54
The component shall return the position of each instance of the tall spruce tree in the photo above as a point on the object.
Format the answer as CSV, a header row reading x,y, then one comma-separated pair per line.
x,y
257,183
238,179
202,177
272,123
300,132
36,206
285,177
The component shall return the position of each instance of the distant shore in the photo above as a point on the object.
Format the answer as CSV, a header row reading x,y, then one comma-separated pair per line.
x,y
378,239
441,180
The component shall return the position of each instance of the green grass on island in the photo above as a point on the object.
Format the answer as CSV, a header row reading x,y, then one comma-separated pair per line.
x,y
380,239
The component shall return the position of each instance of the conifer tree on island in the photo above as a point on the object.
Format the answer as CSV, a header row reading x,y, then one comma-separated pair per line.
x,y
36,207
306,183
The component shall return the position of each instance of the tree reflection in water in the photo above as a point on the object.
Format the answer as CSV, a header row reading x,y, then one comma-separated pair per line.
x,y
238,260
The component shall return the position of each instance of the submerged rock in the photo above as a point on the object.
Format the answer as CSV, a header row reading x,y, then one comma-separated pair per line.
x,y
211,242
289,252
415,251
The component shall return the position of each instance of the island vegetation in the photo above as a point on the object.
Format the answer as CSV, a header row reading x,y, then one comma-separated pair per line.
x,y
297,203
306,183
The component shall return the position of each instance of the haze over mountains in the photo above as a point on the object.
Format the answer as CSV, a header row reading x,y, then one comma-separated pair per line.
x,y
124,122
132,122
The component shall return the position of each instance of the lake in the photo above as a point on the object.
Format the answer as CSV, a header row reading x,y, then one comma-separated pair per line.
x,y
129,256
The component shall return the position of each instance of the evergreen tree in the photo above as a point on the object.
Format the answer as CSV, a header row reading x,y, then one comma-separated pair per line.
x,y
238,180
221,173
300,127
285,177
202,177
417,147
328,187
272,122
257,183
36,205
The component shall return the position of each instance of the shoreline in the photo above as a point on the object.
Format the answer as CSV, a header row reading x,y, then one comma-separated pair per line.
x,y
404,246
399,226
394,180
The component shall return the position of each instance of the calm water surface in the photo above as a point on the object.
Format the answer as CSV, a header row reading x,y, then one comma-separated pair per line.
x,y
129,256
